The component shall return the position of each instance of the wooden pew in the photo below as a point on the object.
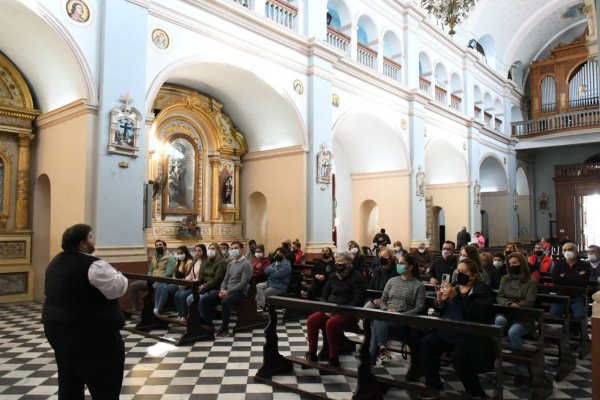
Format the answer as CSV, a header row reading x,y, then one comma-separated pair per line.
x,y
149,321
369,386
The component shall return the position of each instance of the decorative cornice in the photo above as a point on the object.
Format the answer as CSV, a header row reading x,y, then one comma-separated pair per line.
x,y
64,113
380,175
457,185
274,153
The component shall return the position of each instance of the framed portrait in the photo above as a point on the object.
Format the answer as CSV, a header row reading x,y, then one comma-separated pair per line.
x,y
160,39
125,126
78,11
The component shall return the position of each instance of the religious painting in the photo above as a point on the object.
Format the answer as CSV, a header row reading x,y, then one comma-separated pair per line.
x,y
179,196
160,39
543,202
227,190
324,165
78,11
125,126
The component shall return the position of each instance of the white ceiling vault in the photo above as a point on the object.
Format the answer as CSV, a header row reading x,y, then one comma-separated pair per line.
x,y
524,30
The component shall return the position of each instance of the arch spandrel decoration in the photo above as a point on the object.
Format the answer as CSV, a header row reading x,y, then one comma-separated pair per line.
x,y
184,117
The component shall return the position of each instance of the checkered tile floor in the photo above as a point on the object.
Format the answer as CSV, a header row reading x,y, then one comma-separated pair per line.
x,y
220,370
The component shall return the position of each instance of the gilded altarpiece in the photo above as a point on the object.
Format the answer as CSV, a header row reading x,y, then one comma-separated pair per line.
x,y
195,155
16,135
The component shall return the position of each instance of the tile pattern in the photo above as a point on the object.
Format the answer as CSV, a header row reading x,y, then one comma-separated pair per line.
x,y
218,370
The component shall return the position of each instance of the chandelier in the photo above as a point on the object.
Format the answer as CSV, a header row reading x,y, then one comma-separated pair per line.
x,y
450,12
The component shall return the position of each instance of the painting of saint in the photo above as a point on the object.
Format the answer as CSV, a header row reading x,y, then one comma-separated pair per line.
x,y
78,11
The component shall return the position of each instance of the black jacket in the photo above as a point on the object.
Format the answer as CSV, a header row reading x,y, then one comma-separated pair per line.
x,y
380,277
350,291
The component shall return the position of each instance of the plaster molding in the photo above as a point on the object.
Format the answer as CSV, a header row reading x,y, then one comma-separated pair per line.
x,y
72,110
502,193
274,153
457,185
113,254
380,175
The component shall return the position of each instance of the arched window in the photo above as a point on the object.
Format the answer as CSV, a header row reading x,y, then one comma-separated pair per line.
x,y
548,90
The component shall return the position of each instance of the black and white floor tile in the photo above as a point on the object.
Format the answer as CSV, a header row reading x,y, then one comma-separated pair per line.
x,y
220,370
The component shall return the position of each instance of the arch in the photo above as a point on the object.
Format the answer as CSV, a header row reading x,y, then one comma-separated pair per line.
x,y
274,122
488,44
456,85
366,31
452,170
522,183
498,115
256,221
368,220
492,174
64,61
438,234
341,18
392,46
441,75
424,66
477,103
41,252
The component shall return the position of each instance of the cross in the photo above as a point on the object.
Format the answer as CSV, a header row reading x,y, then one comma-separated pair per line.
x,y
126,99
126,126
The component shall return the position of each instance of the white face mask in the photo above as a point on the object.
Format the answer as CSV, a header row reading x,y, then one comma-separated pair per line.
x,y
446,253
354,250
234,252
258,255
569,255
461,258
211,253
180,256
397,249
498,264
421,250
593,258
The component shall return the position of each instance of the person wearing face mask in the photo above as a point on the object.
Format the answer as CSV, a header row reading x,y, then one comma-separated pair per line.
x,y
163,291
225,251
382,274
358,260
487,266
210,277
199,261
539,261
517,289
297,251
345,286
472,253
571,271
468,300
594,260
278,278
510,247
320,273
259,263
444,265
404,293
252,246
162,264
423,258
398,249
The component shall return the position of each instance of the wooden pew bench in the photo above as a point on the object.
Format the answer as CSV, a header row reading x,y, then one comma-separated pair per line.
x,y
369,386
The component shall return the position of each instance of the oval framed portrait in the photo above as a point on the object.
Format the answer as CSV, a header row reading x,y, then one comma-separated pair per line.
x,y
160,39
78,11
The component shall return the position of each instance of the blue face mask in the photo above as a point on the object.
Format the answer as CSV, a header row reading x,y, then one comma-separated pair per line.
x,y
401,269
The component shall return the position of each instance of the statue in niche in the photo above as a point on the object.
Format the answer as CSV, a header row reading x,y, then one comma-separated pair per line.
x,y
176,173
324,164
420,178
228,190
477,192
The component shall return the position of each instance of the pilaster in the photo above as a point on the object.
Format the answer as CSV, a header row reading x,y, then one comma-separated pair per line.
x,y
417,194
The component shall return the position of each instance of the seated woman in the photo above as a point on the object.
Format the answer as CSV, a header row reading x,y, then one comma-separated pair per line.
x,y
200,259
382,274
472,252
517,289
163,291
320,273
259,262
345,286
469,300
398,249
487,266
278,278
510,247
297,251
403,294
358,260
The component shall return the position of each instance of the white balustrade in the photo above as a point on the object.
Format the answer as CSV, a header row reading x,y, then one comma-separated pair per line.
x,y
281,12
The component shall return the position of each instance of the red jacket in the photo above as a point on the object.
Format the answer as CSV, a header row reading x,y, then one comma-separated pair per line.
x,y
544,265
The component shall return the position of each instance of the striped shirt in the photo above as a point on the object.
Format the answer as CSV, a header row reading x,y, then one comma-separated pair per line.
x,y
407,296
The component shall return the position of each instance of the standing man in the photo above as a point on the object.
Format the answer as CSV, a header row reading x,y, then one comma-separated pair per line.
x,y
463,238
82,318
162,264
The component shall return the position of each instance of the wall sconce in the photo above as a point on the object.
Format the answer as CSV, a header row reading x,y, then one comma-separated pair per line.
x,y
515,200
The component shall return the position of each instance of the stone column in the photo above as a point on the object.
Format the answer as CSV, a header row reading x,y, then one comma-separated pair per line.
x,y
473,158
22,208
416,124
511,167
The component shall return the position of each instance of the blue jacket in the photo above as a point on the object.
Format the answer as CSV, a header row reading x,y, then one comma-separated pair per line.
x,y
278,275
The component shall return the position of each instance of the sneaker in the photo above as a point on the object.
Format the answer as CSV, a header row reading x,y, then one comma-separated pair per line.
x,y
156,312
223,333
384,356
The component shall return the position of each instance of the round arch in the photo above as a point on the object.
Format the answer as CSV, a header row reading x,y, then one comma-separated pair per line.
x,y
492,174
452,170
367,31
257,220
369,220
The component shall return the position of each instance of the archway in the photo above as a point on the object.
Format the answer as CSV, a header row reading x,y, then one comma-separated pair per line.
x,y
438,234
494,199
256,221
41,252
369,222
523,206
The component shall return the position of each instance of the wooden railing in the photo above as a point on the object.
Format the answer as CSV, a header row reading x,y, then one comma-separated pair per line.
x,y
338,39
577,170
441,94
455,102
391,68
281,12
579,119
424,84
366,56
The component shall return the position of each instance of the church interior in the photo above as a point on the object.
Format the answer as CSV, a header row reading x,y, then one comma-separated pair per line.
x,y
324,121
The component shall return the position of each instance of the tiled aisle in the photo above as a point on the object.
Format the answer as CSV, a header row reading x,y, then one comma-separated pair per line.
x,y
220,370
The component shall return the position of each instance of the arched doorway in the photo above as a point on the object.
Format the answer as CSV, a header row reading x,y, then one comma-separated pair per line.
x,y
369,222
438,234
256,221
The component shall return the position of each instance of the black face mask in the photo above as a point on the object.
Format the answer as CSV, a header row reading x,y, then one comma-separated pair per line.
x,y
383,261
160,251
539,253
278,258
340,268
462,278
514,269
326,256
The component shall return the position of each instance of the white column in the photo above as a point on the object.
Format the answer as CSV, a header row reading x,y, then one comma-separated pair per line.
x,y
314,18
380,45
468,99
410,62
507,118
353,41
511,168
473,157
418,222
260,7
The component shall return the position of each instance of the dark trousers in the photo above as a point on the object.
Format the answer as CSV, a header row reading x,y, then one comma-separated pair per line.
x,y
463,359
209,302
93,358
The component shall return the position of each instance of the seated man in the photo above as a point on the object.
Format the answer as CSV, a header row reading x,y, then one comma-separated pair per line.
x,y
539,261
594,260
423,258
234,289
278,278
161,264
571,271
382,274
445,265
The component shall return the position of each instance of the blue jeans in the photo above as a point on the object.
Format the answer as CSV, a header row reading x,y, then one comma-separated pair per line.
x,y
516,331
190,299
578,308
181,303
209,302
382,330
162,292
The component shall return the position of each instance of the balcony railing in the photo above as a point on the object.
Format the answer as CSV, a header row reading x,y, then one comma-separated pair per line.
x,y
578,119
391,68
338,39
455,102
577,170
424,84
487,119
366,56
245,3
281,12
441,94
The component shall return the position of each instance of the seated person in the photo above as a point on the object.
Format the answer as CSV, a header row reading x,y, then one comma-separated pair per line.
x,y
444,265
278,278
320,273
381,274
517,289
398,250
403,294
162,291
345,286
469,300
233,290
259,262
539,261
200,259
510,247
297,251
358,260
472,252
423,258
571,271
594,260
162,264
225,251
500,262
487,265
